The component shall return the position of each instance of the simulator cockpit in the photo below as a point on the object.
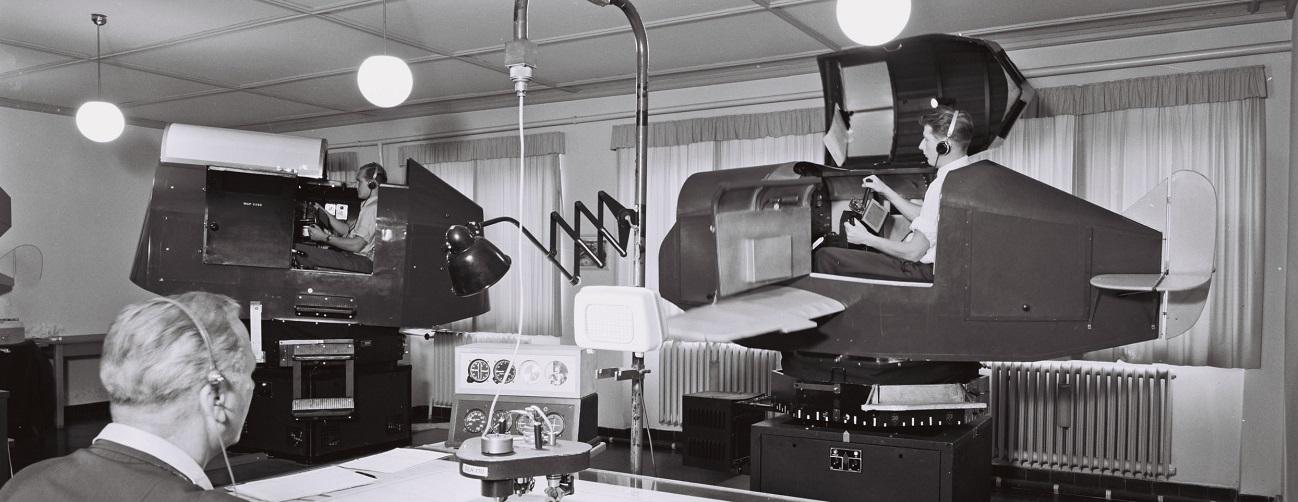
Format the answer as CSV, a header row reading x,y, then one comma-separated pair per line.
x,y
1022,273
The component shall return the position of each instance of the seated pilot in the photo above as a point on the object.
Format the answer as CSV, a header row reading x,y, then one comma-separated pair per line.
x,y
178,371
911,258
354,244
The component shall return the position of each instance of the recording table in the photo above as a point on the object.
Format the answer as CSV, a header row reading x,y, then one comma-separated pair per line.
x,y
441,480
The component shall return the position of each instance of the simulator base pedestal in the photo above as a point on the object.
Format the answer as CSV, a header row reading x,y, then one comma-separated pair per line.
x,y
381,419
824,463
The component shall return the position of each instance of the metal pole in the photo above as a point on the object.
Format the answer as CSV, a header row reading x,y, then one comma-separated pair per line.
x,y
641,190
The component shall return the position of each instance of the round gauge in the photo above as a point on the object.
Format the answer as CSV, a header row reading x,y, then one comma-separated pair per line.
x,y
558,372
501,421
503,372
523,424
556,422
479,371
475,421
529,372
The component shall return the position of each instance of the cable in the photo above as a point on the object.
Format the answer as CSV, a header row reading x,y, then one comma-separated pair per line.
x,y
518,341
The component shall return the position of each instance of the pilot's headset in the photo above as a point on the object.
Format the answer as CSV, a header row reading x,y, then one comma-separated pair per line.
x,y
944,147
376,177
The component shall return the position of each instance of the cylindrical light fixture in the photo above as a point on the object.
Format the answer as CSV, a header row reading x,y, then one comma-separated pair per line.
x,y
99,120
385,80
873,22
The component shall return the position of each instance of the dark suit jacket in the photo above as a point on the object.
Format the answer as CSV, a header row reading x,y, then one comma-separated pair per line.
x,y
105,471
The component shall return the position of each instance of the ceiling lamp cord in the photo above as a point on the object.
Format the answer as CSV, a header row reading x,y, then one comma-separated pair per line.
x,y
99,20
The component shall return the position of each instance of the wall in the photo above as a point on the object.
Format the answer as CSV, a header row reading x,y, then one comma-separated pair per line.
x,y
81,203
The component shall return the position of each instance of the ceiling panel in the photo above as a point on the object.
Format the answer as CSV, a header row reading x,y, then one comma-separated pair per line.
x,y
272,52
230,109
69,86
16,58
306,52
131,23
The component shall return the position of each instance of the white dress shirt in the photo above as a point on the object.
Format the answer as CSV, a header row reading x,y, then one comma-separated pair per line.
x,y
926,222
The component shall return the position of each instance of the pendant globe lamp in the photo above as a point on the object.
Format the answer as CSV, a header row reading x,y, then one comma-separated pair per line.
x,y
873,22
99,120
385,80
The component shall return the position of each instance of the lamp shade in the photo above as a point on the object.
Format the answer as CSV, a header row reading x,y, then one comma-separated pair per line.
x,y
474,263
385,80
873,22
100,121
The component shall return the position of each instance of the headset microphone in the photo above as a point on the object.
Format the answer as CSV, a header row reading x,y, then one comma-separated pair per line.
x,y
944,147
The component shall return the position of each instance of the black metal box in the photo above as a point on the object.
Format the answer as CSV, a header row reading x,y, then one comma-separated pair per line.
x,y
716,428
914,464
381,420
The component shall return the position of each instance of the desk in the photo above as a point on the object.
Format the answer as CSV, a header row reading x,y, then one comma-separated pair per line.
x,y
68,347
443,479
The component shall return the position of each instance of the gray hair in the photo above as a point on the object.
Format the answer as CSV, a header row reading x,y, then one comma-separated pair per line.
x,y
153,352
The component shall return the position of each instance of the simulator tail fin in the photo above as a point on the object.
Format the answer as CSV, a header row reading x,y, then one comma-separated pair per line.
x,y
1184,209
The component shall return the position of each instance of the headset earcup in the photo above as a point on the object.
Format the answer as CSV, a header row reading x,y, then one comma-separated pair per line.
x,y
943,148
373,185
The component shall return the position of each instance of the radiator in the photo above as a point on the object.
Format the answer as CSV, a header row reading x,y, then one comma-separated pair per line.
x,y
1083,418
689,367
441,362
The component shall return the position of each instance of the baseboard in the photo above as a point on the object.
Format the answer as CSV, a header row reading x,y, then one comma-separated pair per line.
x,y
663,438
1114,487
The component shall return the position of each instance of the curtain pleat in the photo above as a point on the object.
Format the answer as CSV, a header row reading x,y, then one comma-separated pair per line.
x,y
1231,84
483,149
492,179
725,128
341,166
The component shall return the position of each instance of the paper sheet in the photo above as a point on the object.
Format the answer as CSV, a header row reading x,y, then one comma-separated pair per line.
x,y
325,480
837,137
394,460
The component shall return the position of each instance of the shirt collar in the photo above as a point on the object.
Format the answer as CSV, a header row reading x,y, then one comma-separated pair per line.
x,y
126,435
955,164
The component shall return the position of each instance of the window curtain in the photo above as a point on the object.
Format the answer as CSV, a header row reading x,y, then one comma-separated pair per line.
x,y
678,149
1112,142
527,299
341,166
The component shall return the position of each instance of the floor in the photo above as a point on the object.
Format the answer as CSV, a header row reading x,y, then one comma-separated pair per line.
x,y
662,462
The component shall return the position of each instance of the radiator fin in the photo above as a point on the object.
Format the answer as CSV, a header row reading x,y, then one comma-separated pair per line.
x,y
1083,418
689,367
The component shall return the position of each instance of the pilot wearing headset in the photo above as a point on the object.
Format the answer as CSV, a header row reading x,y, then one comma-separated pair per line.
x,y
947,133
353,245
178,371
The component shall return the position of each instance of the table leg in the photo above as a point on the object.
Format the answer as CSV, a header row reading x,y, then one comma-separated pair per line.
x,y
60,385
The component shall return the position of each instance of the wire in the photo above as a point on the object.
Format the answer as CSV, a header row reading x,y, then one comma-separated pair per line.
x,y
518,341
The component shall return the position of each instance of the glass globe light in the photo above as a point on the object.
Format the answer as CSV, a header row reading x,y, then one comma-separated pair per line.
x,y
385,80
100,121
873,22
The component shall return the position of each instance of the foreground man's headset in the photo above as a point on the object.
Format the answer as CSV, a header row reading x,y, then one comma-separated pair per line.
x,y
214,379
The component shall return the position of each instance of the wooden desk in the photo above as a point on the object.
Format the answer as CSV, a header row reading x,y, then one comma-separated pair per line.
x,y
66,347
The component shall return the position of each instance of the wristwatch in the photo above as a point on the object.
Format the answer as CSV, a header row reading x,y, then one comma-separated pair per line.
x,y
327,238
